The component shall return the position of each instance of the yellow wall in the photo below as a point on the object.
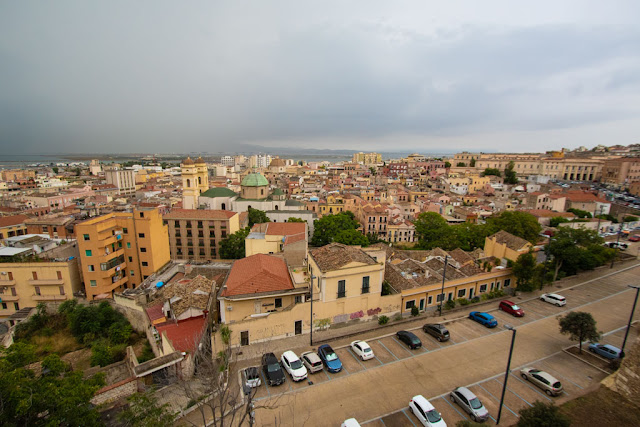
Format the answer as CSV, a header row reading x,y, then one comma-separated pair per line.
x,y
268,245
498,250
13,230
242,309
19,276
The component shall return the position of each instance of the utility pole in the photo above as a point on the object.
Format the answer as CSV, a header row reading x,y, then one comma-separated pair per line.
x,y
444,273
506,374
626,334
311,329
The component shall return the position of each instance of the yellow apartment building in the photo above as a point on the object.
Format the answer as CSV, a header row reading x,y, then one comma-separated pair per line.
x,y
121,249
11,226
28,283
272,237
505,245
333,205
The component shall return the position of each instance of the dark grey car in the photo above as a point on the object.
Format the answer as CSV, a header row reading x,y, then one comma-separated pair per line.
x,y
437,331
470,403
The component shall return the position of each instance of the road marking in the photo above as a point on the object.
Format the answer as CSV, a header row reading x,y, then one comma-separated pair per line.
x,y
562,376
382,344
355,357
411,353
265,382
325,372
497,400
454,408
404,411
531,386
513,392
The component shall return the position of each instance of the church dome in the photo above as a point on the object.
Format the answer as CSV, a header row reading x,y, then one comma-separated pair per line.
x,y
200,161
277,163
254,180
188,162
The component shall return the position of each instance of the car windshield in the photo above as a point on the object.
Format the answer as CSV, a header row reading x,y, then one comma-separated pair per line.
x,y
252,373
274,367
433,416
366,350
296,364
475,403
557,384
331,356
515,307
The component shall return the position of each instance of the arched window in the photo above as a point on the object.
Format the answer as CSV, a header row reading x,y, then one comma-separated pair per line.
x,y
224,206
199,180
262,192
276,207
188,182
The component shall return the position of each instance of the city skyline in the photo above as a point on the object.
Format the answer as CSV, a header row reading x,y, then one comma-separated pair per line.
x,y
364,76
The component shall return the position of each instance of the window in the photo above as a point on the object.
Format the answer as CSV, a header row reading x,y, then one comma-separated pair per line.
x,y
10,275
298,299
4,305
35,275
341,289
462,293
143,249
128,245
507,282
130,259
132,273
37,290
59,273
244,338
125,231
92,268
93,283
409,304
144,277
141,214
87,252
61,290
365,285
278,302
85,237
141,235
483,288
145,264
422,304
16,306
439,297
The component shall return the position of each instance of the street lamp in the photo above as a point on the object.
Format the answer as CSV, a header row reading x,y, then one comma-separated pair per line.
x,y
311,329
506,374
626,334
444,273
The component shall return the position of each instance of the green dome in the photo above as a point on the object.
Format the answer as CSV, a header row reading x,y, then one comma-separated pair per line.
x,y
218,192
277,192
254,180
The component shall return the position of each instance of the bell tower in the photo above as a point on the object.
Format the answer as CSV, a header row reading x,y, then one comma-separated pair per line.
x,y
190,191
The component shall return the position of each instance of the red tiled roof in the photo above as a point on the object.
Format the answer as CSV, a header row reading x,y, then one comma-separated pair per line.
x,y
186,334
198,214
7,221
280,228
155,312
295,238
256,274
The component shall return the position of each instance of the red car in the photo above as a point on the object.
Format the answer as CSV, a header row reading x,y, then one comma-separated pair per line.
x,y
634,238
511,308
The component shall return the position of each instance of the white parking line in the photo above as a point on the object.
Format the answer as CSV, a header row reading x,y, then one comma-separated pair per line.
x,y
555,372
355,357
531,386
454,408
404,411
497,400
390,352
514,393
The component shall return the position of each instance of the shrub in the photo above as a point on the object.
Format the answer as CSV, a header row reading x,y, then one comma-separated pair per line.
x,y
449,304
147,353
463,301
614,365
383,320
415,311
397,317
485,297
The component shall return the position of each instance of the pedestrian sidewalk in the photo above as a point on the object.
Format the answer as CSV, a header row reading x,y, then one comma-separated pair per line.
x,y
341,336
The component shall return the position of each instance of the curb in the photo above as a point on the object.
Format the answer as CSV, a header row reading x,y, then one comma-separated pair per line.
x,y
566,351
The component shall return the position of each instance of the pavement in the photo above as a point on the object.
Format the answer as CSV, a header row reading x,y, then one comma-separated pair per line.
x,y
377,391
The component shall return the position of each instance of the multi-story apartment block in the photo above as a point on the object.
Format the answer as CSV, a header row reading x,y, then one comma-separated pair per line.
x,y
58,200
367,158
119,250
196,233
227,161
123,179
621,171
56,226
11,226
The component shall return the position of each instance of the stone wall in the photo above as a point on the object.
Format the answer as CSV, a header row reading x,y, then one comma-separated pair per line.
x,y
117,391
627,380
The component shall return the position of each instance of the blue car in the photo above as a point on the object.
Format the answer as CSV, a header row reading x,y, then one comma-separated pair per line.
x,y
484,319
605,350
329,358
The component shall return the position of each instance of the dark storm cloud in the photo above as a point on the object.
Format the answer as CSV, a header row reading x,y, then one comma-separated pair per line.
x,y
155,76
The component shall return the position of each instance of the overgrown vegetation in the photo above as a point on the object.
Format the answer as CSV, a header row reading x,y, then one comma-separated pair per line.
x,y
233,246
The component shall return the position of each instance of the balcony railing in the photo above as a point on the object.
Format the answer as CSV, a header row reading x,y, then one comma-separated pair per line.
x,y
342,294
9,297
45,282
43,297
365,289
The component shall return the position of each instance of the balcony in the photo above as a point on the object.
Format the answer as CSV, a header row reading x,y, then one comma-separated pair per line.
x,y
9,298
7,283
108,240
117,284
113,270
50,297
46,282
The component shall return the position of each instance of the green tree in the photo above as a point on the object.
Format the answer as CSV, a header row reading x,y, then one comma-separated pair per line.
x,y
55,170
294,219
432,231
580,326
461,164
144,410
373,171
351,237
608,217
519,224
542,415
256,216
629,218
510,176
524,269
327,227
491,171
569,246
447,165
472,163
580,213
233,246
557,220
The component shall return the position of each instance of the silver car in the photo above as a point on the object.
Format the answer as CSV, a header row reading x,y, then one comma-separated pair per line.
x,y
312,361
542,379
470,403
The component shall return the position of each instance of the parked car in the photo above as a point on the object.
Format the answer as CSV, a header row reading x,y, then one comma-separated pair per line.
x,y
272,369
293,365
542,379
470,403
329,358
251,377
311,361
511,308
634,238
437,331
605,350
484,319
554,299
351,422
410,339
362,350
616,245
425,412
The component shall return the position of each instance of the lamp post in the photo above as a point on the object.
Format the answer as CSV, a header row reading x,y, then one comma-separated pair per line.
x,y
626,334
444,273
506,374
311,329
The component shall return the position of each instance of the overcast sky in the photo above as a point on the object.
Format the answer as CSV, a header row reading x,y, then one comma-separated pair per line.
x,y
176,76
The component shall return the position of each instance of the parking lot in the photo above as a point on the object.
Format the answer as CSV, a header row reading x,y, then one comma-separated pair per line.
x,y
389,352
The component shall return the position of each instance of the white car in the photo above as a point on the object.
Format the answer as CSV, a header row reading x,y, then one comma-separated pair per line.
x,y
362,350
293,365
554,299
252,377
425,412
311,361
351,422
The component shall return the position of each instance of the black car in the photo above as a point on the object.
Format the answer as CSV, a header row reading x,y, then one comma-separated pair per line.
x,y
272,369
437,331
410,339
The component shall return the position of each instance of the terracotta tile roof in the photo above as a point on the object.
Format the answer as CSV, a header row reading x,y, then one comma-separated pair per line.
x,y
548,213
295,238
188,293
280,228
198,214
336,255
257,274
7,221
185,335
579,196
155,314
513,242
